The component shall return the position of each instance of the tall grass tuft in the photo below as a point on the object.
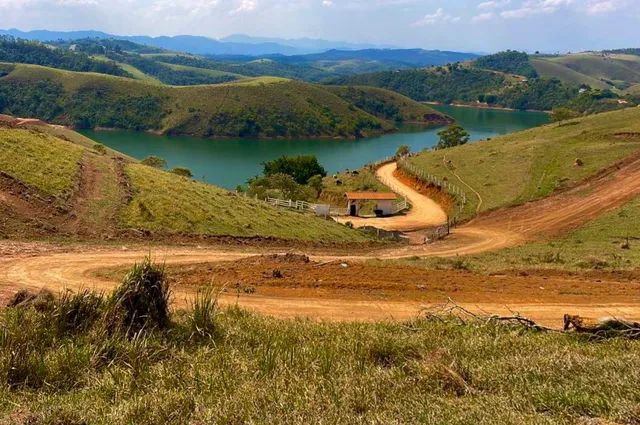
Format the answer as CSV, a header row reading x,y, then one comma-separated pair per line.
x,y
141,301
202,318
77,311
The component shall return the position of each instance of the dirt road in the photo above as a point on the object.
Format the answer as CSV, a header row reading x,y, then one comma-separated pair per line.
x,y
540,219
73,270
424,212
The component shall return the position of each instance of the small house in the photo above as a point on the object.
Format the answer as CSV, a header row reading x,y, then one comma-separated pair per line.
x,y
384,202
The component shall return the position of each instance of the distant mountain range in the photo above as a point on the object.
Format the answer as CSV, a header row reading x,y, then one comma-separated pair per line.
x,y
302,50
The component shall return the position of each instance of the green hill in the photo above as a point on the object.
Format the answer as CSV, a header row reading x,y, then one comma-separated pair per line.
x,y
389,105
259,107
50,186
598,70
516,80
532,164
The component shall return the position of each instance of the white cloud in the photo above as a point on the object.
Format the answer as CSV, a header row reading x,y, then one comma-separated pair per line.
x,y
483,17
439,16
536,7
494,4
597,7
327,3
244,6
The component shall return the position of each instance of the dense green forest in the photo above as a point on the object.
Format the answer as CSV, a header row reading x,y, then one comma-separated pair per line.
x,y
22,51
511,62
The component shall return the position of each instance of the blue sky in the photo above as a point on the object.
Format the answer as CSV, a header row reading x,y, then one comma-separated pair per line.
x,y
467,25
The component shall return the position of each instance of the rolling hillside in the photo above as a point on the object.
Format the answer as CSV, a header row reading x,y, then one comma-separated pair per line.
x,y
260,107
513,80
598,70
535,163
54,187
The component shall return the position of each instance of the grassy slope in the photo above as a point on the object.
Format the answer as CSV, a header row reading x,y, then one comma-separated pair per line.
x,y
208,72
184,206
264,371
40,160
535,162
550,69
162,202
191,108
618,68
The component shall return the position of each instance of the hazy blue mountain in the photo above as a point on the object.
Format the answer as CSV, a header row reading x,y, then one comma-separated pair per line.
x,y
312,45
399,57
182,43
45,35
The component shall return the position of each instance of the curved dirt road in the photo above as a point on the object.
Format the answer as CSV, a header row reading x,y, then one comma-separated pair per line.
x,y
77,271
424,212
508,227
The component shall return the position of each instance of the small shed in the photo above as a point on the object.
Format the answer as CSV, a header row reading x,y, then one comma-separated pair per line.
x,y
385,202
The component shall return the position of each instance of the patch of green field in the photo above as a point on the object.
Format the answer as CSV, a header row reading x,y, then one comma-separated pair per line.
x,y
40,160
532,164
551,69
609,67
260,370
208,72
164,202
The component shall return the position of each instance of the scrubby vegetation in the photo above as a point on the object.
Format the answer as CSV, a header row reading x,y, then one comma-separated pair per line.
x,y
62,362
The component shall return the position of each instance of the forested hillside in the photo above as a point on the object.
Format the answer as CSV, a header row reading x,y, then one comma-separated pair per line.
x,y
21,51
260,107
506,79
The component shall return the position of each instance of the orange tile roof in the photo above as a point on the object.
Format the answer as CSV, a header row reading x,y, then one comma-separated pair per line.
x,y
370,196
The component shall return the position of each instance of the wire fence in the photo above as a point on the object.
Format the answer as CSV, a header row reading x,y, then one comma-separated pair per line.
x,y
458,194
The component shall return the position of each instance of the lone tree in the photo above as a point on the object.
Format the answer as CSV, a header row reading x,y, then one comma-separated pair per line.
x,y
155,162
454,135
301,167
563,114
403,150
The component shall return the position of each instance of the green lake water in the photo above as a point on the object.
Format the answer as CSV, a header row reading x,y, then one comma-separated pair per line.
x,y
229,162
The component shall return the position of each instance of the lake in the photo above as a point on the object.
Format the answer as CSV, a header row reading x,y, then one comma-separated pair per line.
x,y
230,162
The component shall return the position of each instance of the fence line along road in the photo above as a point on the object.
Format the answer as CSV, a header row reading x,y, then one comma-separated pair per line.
x,y
458,194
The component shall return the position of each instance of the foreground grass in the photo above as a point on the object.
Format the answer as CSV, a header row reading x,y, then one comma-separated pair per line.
x,y
40,160
533,164
253,369
168,203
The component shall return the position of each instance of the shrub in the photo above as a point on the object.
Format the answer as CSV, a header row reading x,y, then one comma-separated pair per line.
x,y
155,162
301,167
182,172
100,148
142,299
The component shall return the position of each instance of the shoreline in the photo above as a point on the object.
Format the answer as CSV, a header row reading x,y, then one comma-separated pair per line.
x,y
483,106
